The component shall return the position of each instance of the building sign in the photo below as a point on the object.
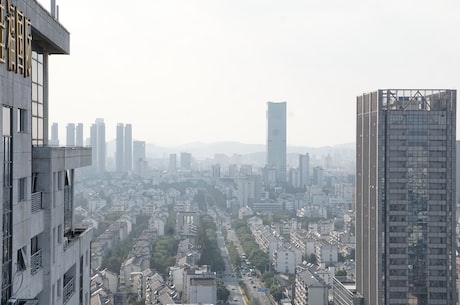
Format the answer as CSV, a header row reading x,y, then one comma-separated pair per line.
x,y
15,39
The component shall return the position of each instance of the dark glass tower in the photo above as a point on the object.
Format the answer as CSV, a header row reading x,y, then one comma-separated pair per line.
x,y
405,197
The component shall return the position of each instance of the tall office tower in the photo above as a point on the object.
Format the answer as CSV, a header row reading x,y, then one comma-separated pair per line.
x,y
185,161
139,161
79,135
97,140
128,147
304,170
70,133
405,205
119,153
172,163
276,139
44,257
215,171
318,176
54,141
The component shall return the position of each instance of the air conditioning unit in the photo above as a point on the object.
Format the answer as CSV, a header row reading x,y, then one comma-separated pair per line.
x,y
13,301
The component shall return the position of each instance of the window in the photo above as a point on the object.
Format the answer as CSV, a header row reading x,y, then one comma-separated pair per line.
x,y
22,189
34,245
59,238
52,293
21,259
37,99
60,180
58,290
21,120
54,245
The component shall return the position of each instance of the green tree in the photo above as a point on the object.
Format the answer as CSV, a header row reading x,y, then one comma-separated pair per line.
x,y
341,273
312,259
206,242
222,292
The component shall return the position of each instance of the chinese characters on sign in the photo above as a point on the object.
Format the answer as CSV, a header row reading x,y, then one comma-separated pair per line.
x,y
15,39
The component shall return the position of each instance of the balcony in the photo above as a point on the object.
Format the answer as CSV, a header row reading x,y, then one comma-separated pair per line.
x,y
36,202
36,262
69,289
73,235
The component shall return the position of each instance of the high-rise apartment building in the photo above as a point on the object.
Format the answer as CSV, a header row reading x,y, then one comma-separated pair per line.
x,y
276,139
124,148
129,147
44,257
79,135
185,161
70,134
98,145
405,197
139,162
172,163
54,141
304,170
120,151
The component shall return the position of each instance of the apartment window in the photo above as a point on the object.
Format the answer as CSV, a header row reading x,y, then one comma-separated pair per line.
x,y
59,238
60,180
54,245
34,245
21,120
37,98
21,259
22,189
58,288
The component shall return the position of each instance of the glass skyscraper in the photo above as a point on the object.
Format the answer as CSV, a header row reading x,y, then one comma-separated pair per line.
x,y
405,197
276,139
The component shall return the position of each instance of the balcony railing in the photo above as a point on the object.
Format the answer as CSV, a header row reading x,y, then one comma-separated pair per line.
x,y
69,290
36,202
36,262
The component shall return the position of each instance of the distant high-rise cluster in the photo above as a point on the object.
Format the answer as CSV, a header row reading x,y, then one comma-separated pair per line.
x,y
405,204
124,148
79,135
54,140
97,140
74,134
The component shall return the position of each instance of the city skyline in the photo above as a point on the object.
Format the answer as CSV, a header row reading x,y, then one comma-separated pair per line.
x,y
212,66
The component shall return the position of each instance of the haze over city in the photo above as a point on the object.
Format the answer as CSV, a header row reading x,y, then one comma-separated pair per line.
x,y
185,71
229,152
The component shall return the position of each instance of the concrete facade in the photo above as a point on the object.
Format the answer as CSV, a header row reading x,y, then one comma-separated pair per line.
x,y
45,258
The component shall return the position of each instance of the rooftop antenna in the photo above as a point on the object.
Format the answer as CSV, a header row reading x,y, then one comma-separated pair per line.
x,y
53,8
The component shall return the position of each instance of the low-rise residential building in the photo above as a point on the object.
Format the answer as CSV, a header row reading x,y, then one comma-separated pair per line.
x,y
344,292
326,252
309,289
200,286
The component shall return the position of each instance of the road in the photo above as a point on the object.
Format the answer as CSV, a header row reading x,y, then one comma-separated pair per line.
x,y
250,281
228,277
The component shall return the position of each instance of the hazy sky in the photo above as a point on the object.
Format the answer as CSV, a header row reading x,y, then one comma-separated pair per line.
x,y
191,70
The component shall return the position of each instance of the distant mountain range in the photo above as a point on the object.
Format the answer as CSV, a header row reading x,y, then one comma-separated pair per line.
x,y
202,150
208,150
